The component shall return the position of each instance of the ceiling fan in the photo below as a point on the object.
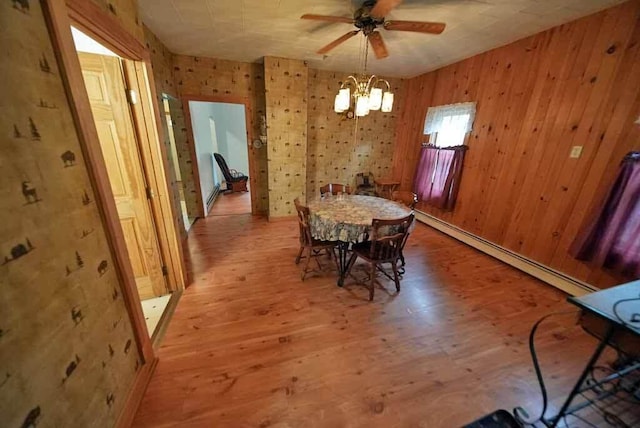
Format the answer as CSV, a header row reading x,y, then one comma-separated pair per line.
x,y
368,18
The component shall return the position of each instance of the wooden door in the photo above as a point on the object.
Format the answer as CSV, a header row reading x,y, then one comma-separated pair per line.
x,y
107,94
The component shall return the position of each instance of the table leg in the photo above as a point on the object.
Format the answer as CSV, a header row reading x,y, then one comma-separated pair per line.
x,y
553,421
343,251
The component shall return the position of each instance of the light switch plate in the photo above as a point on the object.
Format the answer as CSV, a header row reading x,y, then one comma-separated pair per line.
x,y
576,151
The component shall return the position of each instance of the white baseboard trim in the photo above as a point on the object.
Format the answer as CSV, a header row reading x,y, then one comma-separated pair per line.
x,y
212,197
552,277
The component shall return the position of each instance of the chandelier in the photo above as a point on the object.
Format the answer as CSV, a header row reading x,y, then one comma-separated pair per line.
x,y
369,92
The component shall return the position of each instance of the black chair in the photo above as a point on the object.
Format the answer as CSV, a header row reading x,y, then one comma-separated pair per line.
x,y
387,239
236,181
365,185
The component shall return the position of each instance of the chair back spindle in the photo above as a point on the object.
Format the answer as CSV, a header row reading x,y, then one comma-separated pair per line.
x,y
388,237
335,188
303,223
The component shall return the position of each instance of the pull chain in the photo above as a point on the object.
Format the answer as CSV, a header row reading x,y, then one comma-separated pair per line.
x,y
366,54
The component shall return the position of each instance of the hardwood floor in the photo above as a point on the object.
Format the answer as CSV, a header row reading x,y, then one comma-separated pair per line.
x,y
252,345
231,204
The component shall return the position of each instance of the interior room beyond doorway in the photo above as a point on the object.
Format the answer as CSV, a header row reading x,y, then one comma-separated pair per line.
x,y
220,127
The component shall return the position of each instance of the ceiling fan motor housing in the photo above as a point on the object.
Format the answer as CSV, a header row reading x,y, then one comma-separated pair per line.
x,y
362,18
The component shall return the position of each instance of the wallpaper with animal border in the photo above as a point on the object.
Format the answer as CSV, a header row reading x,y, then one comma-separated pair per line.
x,y
216,77
339,148
286,95
68,356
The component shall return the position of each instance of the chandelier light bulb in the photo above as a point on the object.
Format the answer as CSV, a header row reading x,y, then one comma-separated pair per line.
x,y
362,105
375,99
387,102
337,105
344,99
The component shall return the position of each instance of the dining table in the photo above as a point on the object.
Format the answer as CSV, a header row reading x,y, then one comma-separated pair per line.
x,y
347,219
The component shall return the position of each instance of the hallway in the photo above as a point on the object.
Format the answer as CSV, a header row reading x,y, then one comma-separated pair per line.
x,y
252,345
231,204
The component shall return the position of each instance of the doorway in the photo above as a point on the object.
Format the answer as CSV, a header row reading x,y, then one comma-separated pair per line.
x,y
111,98
170,104
221,127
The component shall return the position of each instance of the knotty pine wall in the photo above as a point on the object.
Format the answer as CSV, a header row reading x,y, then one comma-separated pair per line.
x,y
215,77
339,148
576,84
68,356
286,101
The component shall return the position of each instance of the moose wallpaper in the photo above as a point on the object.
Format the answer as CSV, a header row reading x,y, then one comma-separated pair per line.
x,y
286,100
339,148
67,347
221,78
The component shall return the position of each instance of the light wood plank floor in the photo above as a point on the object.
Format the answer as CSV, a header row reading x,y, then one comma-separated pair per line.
x,y
231,204
250,345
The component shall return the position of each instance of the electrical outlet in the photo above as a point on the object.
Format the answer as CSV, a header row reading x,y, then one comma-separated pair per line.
x,y
576,151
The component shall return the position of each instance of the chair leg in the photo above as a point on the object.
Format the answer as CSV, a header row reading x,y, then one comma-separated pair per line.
x,y
402,258
373,281
396,278
306,263
350,263
316,255
299,254
334,258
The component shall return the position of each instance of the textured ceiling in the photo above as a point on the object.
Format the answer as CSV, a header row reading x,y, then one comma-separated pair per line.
x,y
247,30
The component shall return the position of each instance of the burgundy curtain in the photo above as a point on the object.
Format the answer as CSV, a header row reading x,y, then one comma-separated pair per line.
x,y
612,240
424,173
438,175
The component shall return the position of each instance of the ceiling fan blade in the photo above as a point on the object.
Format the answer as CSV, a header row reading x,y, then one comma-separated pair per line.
x,y
327,18
337,41
378,46
383,7
415,26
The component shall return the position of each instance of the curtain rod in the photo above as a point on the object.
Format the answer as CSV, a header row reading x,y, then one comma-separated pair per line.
x,y
431,146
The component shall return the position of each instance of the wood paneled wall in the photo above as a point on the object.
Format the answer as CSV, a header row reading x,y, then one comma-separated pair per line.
x,y
574,85
215,77
339,148
286,101
68,355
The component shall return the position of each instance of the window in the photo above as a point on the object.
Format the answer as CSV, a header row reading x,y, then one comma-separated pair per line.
x,y
439,170
447,125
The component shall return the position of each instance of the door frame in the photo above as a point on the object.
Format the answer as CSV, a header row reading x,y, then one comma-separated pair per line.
x,y
136,62
88,17
227,99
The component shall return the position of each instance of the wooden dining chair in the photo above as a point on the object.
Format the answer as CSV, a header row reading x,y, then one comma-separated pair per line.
x,y
313,248
409,199
405,197
386,240
334,189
